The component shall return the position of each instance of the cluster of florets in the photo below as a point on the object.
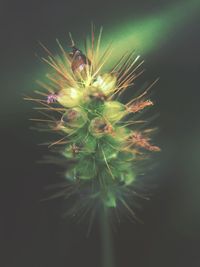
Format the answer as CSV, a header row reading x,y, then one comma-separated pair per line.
x,y
99,144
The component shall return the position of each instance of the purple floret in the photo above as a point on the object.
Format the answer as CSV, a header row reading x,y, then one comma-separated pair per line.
x,y
51,98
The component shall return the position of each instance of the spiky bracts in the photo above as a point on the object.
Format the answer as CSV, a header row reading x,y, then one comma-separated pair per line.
x,y
98,142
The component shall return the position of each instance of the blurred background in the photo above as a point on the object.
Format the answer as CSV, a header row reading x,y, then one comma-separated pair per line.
x,y
166,34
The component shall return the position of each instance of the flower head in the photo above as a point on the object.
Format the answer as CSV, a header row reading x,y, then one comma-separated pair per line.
x,y
98,141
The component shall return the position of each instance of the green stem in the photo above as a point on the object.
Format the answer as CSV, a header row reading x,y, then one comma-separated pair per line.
x,y
106,240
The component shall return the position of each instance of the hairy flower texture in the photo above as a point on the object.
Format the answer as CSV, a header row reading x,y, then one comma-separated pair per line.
x,y
98,140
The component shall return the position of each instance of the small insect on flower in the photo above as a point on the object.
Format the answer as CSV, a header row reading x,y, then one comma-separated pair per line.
x,y
100,139
78,60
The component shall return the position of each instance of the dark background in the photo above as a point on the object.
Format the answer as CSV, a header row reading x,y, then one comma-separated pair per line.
x,y
33,233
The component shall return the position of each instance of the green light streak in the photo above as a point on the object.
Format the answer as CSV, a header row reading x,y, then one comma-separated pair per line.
x,y
149,33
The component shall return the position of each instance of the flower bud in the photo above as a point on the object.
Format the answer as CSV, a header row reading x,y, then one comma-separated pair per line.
x,y
114,111
99,127
106,83
69,97
72,151
74,118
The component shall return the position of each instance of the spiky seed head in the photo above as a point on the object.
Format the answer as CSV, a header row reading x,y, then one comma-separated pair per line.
x,y
100,137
